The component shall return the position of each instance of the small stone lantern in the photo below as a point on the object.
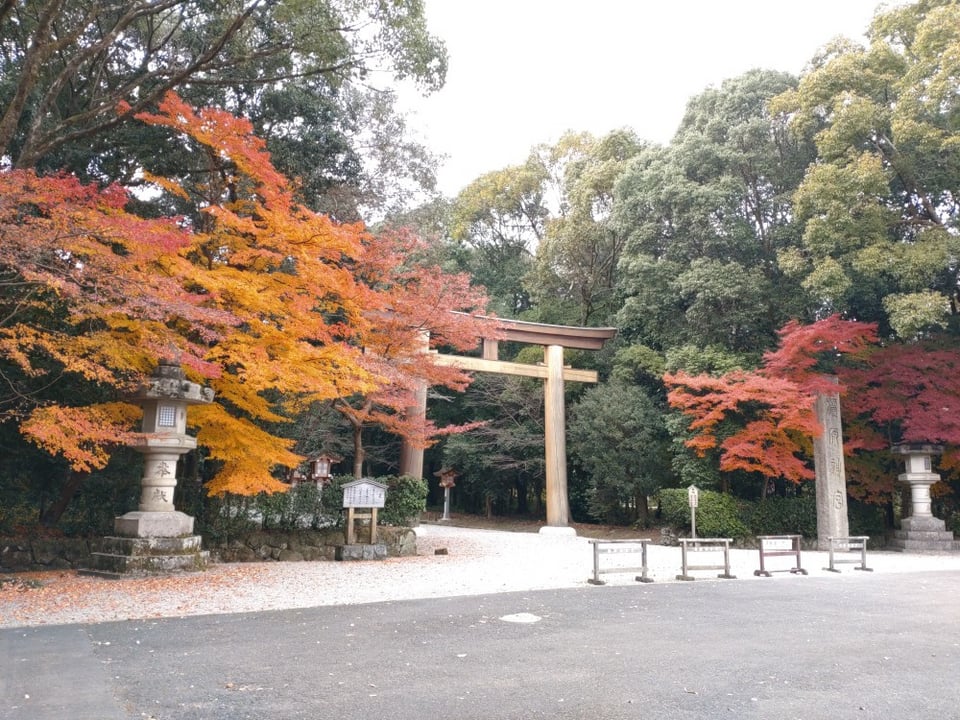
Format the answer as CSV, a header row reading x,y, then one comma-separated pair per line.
x,y
921,531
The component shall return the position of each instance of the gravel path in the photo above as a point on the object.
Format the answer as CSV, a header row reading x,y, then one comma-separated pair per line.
x,y
476,562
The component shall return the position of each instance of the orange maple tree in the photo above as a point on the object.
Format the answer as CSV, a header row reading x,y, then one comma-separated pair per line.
x,y
766,416
420,309
89,291
266,301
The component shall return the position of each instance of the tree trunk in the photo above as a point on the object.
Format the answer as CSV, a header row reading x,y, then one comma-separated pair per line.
x,y
523,507
643,509
358,451
52,514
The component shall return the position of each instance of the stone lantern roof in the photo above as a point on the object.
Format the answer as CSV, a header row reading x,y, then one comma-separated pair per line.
x,y
169,382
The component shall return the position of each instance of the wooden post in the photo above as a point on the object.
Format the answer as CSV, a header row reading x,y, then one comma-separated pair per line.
x,y
373,526
558,506
351,531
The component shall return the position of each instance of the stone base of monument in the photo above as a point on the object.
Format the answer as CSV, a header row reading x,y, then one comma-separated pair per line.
x,y
148,543
357,551
922,535
558,531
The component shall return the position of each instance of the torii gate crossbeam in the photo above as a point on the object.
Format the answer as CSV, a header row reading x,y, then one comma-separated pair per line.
x,y
554,338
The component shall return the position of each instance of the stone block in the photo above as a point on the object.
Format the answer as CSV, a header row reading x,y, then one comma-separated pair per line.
x,y
148,545
288,555
13,558
349,552
76,550
108,565
311,553
45,551
923,524
377,551
141,523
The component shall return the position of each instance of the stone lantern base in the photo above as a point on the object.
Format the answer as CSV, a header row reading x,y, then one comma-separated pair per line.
x,y
148,543
923,534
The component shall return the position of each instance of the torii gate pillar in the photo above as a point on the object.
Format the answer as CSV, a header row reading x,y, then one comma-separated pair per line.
x,y
554,338
555,439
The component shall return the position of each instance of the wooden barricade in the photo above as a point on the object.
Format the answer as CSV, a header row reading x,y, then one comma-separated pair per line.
x,y
849,544
695,545
619,547
779,546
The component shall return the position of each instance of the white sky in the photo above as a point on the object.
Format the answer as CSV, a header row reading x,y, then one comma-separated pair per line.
x,y
522,72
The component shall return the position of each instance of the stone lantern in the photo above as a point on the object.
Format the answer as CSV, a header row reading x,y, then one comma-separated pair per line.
x,y
921,531
156,537
164,400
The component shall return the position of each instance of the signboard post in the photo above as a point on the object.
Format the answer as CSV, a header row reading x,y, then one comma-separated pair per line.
x,y
693,495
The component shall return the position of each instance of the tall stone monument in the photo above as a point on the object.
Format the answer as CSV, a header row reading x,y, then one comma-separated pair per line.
x,y
921,531
831,479
156,537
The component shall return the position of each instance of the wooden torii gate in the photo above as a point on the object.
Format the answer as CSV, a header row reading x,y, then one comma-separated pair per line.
x,y
554,338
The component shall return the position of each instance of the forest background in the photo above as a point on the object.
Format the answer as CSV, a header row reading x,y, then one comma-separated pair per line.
x,y
189,178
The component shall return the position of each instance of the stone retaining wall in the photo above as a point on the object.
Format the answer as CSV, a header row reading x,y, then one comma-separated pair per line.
x,y
22,554
25,554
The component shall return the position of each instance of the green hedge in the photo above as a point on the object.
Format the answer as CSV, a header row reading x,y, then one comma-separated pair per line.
x,y
785,516
406,498
720,515
717,514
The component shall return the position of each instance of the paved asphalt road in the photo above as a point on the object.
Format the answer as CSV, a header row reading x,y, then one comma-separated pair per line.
x,y
855,645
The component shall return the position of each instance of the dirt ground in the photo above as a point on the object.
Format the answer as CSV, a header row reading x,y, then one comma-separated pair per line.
x,y
509,524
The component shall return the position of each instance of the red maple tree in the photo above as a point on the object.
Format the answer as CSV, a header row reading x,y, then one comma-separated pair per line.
x,y
765,417
904,393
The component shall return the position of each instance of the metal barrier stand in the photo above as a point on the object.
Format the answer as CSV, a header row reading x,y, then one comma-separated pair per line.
x,y
779,545
856,542
605,547
705,545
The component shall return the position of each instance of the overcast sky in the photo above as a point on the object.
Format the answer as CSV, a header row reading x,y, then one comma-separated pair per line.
x,y
524,71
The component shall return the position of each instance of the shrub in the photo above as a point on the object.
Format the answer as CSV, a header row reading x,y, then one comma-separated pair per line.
x,y
299,507
866,519
406,499
785,516
717,513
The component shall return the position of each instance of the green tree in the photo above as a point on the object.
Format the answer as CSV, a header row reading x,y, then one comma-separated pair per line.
x,y
879,211
617,433
298,69
500,218
705,218
501,463
574,277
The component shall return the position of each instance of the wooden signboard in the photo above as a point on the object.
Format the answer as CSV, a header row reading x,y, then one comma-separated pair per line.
x,y
364,493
